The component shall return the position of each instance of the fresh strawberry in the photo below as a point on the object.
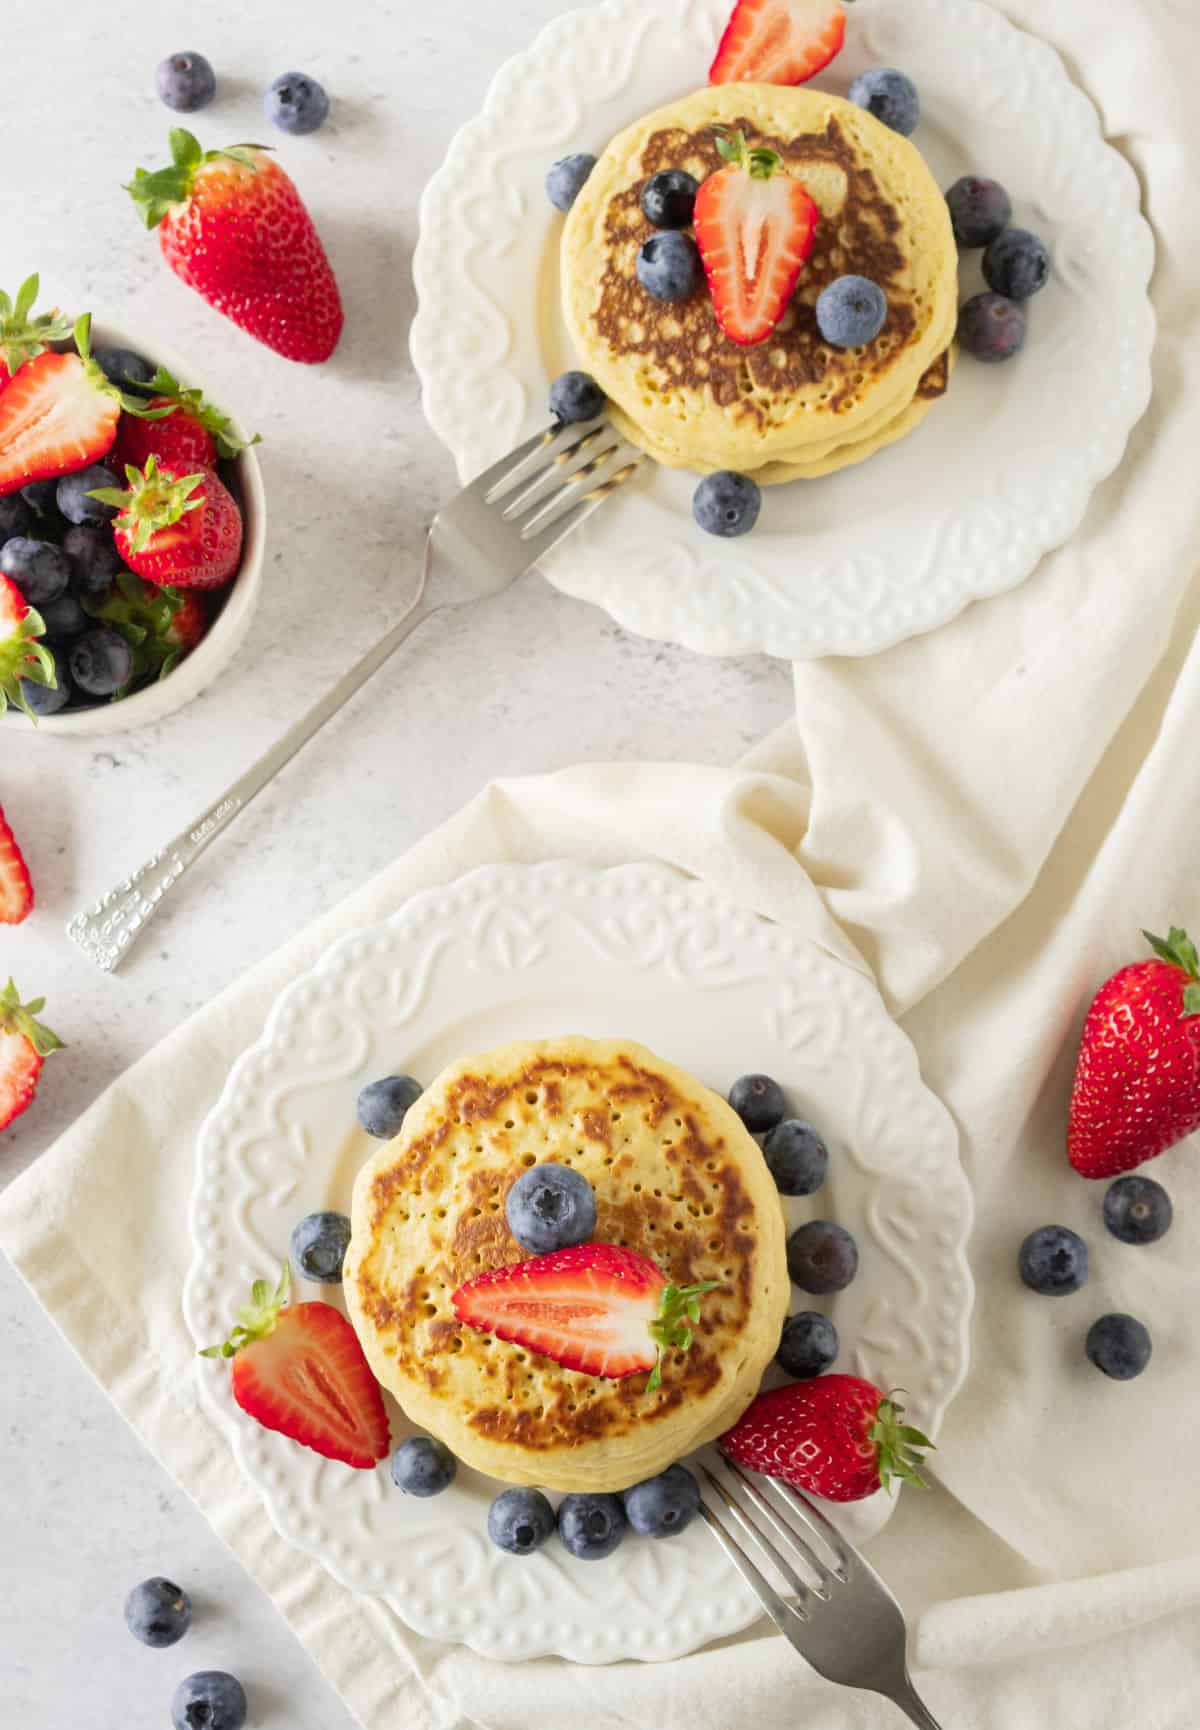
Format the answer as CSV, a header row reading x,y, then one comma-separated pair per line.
x,y
22,656
299,1369
836,1437
755,227
1137,1077
595,1308
778,41
16,888
232,225
193,434
24,1046
160,624
174,528
24,335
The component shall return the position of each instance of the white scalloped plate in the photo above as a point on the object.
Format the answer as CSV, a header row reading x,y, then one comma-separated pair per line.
x,y
999,474
517,952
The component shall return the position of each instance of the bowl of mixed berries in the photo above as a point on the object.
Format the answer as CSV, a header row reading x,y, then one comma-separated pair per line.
x,y
132,522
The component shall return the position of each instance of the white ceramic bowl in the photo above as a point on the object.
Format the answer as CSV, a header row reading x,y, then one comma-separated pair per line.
x,y
228,630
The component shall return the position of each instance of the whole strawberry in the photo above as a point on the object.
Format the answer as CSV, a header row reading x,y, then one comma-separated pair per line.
x,y
192,434
174,528
837,1437
1137,1078
232,225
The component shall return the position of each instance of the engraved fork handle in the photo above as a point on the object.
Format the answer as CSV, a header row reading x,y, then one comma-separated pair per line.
x,y
107,931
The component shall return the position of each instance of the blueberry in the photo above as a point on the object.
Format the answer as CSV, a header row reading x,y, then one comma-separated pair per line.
x,y
566,178
808,1345
382,1104
39,570
94,559
40,496
851,311
296,103
73,500
980,209
318,1246
991,327
124,367
727,504
668,266
1120,1346
186,81
797,1157
520,1521
101,662
662,1506
550,1207
822,1257
64,618
890,97
669,198
1016,264
591,1526
209,1700
15,517
423,1466
575,396
1138,1210
47,699
759,1102
1053,1261
158,1612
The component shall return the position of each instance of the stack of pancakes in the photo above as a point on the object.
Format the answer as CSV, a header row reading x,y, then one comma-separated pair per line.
x,y
791,407
676,1177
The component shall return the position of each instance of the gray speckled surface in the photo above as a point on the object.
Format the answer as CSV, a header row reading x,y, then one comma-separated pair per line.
x,y
527,683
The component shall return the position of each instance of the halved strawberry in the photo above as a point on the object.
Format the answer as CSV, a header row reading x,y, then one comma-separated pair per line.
x,y
755,227
22,656
299,1369
24,1046
192,433
778,41
595,1307
16,888
180,529
24,334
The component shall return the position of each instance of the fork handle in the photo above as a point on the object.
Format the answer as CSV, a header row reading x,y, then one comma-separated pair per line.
x,y
107,932
914,1708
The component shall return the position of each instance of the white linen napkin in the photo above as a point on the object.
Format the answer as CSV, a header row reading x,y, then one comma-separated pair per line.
x,y
984,818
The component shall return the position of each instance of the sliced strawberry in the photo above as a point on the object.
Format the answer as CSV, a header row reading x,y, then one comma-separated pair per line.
x,y
192,433
24,1046
778,41
24,334
22,656
16,887
755,227
175,528
299,1369
596,1308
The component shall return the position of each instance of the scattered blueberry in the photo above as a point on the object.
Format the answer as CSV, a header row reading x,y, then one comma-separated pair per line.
x,y
185,82
591,1526
47,699
727,504
980,209
808,1345
318,1246
124,367
38,569
565,180
1138,1210
1120,1346
1016,264
890,97
797,1157
101,662
423,1466
40,497
382,1105
575,396
73,500
1053,1261
759,1102
851,311
15,517
550,1207
64,618
668,266
991,327
296,103
520,1521
669,198
822,1257
209,1700
93,558
158,1612
662,1506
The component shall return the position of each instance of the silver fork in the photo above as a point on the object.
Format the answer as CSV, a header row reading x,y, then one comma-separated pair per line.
x,y
836,1611
491,534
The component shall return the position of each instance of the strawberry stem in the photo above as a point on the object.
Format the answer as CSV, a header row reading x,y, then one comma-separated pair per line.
x,y
156,191
759,163
153,501
19,1018
193,402
671,1330
22,656
21,336
257,1319
900,1446
1178,950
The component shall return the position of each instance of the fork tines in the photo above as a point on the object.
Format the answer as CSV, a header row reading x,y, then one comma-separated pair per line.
x,y
567,469
794,1539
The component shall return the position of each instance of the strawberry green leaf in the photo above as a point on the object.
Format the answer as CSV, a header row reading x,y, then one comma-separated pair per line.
x,y
899,1446
22,336
1176,948
193,402
759,162
1191,1001
257,1319
669,1330
156,191
19,1018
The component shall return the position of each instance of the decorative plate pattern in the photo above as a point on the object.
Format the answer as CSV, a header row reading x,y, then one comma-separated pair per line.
x,y
519,952
849,565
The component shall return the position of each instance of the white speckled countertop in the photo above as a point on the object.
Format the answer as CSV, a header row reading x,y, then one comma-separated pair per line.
x,y
527,683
